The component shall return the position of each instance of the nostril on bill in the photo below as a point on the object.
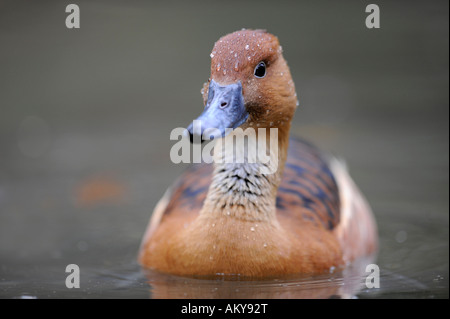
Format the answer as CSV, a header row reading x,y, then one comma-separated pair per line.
x,y
195,138
223,104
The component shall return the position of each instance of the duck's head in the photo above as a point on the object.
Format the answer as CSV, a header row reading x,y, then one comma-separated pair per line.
x,y
250,85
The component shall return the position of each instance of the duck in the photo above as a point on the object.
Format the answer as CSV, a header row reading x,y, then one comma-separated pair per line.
x,y
300,212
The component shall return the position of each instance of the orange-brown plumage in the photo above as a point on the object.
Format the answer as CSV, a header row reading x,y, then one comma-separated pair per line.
x,y
306,217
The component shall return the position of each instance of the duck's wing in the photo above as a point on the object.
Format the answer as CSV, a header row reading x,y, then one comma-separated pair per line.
x,y
318,191
184,198
357,230
308,189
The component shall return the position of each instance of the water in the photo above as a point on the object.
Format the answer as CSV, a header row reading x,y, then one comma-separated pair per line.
x,y
86,116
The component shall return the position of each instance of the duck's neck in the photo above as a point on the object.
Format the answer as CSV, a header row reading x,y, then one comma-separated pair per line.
x,y
246,189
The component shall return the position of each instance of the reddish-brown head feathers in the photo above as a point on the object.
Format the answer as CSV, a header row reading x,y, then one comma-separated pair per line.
x,y
271,100
236,55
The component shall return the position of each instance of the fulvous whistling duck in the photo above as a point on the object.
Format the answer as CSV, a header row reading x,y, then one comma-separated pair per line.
x,y
307,216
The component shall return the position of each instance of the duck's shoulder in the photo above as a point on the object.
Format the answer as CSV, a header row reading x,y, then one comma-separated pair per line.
x,y
308,189
189,192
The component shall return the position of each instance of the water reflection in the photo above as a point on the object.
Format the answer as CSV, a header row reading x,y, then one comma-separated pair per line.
x,y
345,283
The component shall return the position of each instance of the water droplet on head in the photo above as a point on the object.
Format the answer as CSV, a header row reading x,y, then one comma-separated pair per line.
x,y
236,66
249,58
265,245
247,47
252,228
211,55
218,67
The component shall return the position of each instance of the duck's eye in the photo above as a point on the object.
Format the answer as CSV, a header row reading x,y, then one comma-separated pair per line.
x,y
260,70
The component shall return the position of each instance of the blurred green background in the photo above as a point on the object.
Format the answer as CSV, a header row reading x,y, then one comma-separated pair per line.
x,y
85,117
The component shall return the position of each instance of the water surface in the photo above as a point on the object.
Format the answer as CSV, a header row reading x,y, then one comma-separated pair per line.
x,y
86,116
